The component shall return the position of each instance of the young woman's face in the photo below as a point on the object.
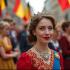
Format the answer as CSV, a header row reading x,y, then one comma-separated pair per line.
x,y
44,30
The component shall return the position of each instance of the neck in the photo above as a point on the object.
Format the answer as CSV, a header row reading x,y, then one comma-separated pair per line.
x,y
42,47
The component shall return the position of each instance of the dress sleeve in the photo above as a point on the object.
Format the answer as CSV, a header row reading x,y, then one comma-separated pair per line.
x,y
24,62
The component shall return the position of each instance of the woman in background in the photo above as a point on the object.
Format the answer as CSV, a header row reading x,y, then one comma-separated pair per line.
x,y
54,43
40,56
65,44
6,53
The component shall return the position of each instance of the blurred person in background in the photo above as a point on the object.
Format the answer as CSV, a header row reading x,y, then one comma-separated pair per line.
x,y
6,52
12,34
54,43
65,44
59,29
13,31
22,38
40,56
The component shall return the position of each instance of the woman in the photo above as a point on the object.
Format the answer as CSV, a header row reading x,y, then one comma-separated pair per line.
x,y
65,44
40,56
6,53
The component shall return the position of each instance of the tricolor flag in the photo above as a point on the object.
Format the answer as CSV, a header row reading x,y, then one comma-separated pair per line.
x,y
65,4
19,9
22,10
27,15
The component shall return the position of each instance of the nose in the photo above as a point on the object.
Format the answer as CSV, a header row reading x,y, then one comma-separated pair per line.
x,y
46,31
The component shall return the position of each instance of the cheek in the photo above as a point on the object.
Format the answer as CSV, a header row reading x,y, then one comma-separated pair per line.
x,y
51,34
39,34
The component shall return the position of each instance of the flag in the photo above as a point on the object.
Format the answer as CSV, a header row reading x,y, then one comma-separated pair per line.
x,y
3,5
22,10
6,2
19,9
65,4
27,15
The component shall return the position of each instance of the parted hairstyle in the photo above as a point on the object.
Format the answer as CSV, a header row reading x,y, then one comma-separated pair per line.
x,y
9,20
34,22
65,25
3,24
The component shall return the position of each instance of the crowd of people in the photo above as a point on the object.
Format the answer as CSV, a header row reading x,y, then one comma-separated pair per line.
x,y
41,45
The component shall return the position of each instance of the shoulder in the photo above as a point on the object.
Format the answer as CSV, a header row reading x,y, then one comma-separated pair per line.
x,y
24,55
6,37
24,61
56,55
62,38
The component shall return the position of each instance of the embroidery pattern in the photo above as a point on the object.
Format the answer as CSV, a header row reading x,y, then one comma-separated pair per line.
x,y
39,62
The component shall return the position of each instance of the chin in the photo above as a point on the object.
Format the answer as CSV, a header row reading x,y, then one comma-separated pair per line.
x,y
44,41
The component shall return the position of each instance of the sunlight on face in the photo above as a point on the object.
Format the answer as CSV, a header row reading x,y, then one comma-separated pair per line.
x,y
44,30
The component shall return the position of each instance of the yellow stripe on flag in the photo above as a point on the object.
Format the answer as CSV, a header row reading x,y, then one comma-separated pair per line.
x,y
69,1
26,11
20,11
2,4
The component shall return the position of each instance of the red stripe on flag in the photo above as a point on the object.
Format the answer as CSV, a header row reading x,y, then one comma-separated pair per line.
x,y
64,4
16,5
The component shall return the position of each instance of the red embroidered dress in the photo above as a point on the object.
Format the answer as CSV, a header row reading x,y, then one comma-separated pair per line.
x,y
30,60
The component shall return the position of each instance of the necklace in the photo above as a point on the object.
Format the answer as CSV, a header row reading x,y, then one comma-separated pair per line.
x,y
44,55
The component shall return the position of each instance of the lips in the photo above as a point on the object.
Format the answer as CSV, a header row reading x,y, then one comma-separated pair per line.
x,y
46,37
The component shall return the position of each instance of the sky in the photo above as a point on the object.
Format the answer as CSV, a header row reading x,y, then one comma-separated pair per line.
x,y
37,5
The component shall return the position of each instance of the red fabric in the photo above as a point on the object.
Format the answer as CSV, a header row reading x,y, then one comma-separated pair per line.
x,y
64,4
67,64
65,45
17,2
24,63
61,61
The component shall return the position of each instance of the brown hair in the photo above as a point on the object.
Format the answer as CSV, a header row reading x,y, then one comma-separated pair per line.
x,y
34,22
8,19
65,25
1,27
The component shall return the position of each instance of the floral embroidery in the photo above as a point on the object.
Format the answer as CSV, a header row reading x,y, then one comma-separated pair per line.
x,y
39,62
